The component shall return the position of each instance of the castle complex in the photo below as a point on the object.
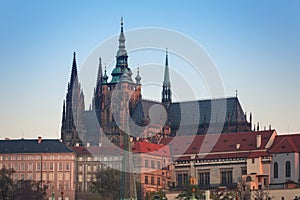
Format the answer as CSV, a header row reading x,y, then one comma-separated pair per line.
x,y
118,107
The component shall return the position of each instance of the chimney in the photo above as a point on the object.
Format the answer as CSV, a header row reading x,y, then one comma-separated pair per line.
x,y
39,139
77,144
87,144
258,141
6,138
237,146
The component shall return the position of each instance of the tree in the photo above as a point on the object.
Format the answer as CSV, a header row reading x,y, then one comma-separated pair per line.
x,y
6,183
29,189
107,183
23,189
188,189
261,194
224,195
161,195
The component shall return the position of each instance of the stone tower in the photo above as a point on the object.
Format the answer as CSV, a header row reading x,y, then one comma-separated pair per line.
x,y
115,99
72,128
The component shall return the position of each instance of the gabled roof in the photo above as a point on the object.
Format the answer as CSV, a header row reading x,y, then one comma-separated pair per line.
x,y
218,143
32,146
150,148
183,116
205,112
286,144
81,150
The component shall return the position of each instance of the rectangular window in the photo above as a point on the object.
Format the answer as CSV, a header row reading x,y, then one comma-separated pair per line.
x,y
22,177
80,178
29,166
158,164
38,167
51,166
152,164
204,178
158,181
146,180
51,177
16,166
226,177
146,164
152,180
182,179
243,170
67,166
60,166
45,166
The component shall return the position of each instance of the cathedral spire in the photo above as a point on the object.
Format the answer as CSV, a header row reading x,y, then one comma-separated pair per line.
x,y
166,92
167,75
122,51
99,76
74,70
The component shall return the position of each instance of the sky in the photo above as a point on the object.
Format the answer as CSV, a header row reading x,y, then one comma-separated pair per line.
x,y
255,46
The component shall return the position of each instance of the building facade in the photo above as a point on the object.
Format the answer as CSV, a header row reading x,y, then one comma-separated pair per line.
x,y
224,161
49,162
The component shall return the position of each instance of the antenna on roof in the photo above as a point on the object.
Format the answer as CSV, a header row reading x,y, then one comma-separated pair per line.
x,y
236,93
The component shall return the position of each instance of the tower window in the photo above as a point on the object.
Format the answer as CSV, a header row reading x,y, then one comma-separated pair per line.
x,y
288,169
275,170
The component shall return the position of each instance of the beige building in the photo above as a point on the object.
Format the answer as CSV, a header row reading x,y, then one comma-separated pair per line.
x,y
221,160
48,161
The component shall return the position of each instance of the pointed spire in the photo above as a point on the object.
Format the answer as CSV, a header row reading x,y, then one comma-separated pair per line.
x,y
166,92
167,75
122,24
105,77
121,50
138,77
99,76
74,70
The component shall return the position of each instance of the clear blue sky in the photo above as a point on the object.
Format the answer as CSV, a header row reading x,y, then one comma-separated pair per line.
x,y
254,44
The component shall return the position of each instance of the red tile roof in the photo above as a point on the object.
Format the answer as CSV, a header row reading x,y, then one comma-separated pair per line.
x,y
286,144
212,143
257,154
81,150
139,147
154,149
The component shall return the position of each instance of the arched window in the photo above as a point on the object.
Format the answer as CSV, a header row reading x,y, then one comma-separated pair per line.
x,y
275,170
287,169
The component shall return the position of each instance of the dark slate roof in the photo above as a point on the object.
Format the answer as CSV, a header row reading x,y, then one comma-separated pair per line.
x,y
206,111
32,146
193,114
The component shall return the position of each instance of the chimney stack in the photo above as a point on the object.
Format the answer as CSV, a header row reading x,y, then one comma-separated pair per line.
x,y
39,139
258,141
